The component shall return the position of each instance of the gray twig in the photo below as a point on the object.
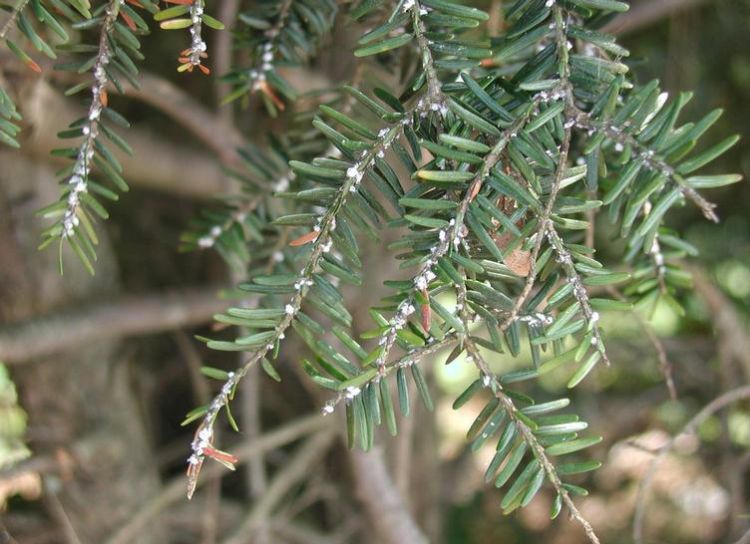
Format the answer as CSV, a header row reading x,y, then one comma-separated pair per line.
x,y
47,334
714,406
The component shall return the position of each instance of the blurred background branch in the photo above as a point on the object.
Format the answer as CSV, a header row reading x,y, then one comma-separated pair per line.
x,y
45,335
644,13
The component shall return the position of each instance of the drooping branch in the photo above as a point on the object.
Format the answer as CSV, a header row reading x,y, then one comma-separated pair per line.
x,y
494,385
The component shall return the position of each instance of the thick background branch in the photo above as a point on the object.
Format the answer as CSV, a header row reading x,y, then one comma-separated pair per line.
x,y
222,138
44,335
648,12
385,506
155,163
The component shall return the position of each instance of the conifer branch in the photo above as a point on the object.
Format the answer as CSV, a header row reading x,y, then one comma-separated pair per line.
x,y
491,382
496,189
434,88
452,235
651,159
77,183
258,74
321,244
17,9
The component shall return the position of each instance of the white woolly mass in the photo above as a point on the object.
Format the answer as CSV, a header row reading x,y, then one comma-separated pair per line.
x,y
197,45
78,182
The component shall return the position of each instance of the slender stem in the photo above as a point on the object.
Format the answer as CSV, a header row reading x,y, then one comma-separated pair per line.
x,y
691,426
173,490
434,87
19,7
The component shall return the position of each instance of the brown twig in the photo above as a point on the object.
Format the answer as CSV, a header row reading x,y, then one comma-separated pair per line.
x,y
294,472
714,406
174,490
44,335
648,12
727,322
213,132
